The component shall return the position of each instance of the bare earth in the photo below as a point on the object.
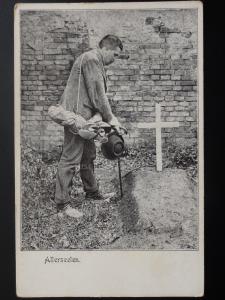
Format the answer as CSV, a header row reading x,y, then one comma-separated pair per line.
x,y
158,211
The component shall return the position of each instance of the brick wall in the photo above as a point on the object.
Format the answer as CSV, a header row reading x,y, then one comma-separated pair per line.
x,y
162,68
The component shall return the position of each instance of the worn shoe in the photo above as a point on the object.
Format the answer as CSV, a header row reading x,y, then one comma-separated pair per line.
x,y
67,210
98,196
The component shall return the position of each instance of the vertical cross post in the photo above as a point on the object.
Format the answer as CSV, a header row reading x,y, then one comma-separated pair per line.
x,y
158,138
120,178
158,125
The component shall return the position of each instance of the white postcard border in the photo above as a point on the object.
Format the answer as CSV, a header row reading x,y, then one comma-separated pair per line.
x,y
109,273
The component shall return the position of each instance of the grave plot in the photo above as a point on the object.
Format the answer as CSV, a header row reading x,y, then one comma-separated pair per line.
x,y
158,210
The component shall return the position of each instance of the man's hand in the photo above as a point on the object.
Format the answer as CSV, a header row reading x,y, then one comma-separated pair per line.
x,y
120,130
115,124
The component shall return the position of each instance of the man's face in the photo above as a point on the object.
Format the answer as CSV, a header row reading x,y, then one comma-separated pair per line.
x,y
109,55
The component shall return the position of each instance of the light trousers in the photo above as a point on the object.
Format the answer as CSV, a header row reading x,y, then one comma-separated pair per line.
x,y
76,151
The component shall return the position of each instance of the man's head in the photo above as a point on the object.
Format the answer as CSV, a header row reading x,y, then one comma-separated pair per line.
x,y
110,46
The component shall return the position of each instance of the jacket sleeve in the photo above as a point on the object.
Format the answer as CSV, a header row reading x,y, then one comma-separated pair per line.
x,y
94,82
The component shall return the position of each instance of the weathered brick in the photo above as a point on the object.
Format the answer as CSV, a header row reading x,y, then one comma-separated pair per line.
x,y
31,112
156,63
124,83
51,77
165,77
175,77
24,98
190,119
42,77
39,67
163,72
33,98
134,77
125,88
148,108
113,88
61,62
169,98
177,88
171,103
52,51
128,103
137,98
179,108
42,88
145,77
191,94
183,103
53,98
179,98
157,98
187,88
27,107
166,87
188,82
155,67
148,72
155,77
174,118
32,88
50,70
124,72
168,82
28,51
39,57
29,62
32,77
27,82
60,67
28,57
146,83
52,87
169,108
179,114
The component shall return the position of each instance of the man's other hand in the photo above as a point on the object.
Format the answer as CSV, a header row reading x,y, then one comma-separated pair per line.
x,y
120,129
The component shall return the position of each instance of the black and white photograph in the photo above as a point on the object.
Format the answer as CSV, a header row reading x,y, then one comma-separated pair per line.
x,y
110,129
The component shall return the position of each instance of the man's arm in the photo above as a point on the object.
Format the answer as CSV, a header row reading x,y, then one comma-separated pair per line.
x,y
94,82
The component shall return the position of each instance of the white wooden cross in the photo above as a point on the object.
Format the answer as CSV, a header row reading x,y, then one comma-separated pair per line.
x,y
158,125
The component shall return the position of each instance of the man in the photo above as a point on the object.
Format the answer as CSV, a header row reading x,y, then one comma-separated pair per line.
x,y
87,82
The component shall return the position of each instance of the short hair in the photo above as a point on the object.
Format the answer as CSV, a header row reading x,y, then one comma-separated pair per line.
x,y
111,41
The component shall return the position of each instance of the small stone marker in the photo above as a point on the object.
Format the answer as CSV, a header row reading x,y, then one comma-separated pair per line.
x,y
158,125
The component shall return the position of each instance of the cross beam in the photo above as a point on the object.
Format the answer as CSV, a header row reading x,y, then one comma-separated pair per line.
x,y
158,125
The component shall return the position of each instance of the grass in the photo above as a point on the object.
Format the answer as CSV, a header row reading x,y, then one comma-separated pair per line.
x,y
42,229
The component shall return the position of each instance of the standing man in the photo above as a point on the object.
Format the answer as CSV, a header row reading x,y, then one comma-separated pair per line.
x,y
90,89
